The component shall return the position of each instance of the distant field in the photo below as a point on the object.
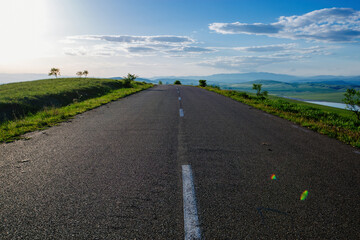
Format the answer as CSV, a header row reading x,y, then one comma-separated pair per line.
x,y
307,91
330,97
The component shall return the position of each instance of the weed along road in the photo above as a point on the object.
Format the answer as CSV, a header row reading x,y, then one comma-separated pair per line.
x,y
178,162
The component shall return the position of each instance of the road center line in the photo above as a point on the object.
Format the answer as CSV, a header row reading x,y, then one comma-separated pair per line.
x,y
179,98
191,220
181,112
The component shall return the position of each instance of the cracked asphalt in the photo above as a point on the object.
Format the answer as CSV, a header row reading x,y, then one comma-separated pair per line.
x,y
115,173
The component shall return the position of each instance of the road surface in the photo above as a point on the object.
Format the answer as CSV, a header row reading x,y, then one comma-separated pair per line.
x,y
132,169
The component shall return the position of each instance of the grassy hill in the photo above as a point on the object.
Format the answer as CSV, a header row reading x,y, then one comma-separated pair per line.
x,y
28,106
18,99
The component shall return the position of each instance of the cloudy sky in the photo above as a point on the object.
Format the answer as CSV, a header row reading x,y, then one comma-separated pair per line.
x,y
180,37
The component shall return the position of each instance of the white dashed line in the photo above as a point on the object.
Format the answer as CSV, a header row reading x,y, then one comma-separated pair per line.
x,y
357,152
181,112
191,219
179,98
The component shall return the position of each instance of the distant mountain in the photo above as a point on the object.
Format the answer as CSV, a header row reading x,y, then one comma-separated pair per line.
x,y
232,77
218,79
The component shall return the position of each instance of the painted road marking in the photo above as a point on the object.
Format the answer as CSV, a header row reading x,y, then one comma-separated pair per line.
x,y
179,98
181,112
357,152
191,220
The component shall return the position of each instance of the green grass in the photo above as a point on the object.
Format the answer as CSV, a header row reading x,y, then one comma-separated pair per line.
x,y
54,101
330,97
336,123
20,99
341,112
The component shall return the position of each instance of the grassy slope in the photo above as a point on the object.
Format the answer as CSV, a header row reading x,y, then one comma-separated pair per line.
x,y
47,102
19,99
325,120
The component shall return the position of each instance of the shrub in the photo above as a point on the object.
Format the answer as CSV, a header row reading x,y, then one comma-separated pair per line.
x,y
177,82
128,79
352,101
202,83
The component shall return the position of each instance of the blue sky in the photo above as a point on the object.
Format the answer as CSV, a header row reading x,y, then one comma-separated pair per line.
x,y
180,37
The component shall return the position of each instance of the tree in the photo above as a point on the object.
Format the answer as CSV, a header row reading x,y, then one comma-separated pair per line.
x,y
160,83
177,82
128,79
79,73
85,73
55,72
352,101
257,87
202,83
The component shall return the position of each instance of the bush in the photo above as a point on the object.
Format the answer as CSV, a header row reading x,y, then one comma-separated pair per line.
x,y
202,83
177,82
128,79
352,101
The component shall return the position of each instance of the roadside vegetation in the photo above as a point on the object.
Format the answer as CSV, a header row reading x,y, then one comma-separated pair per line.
x,y
35,105
177,82
352,101
339,124
202,83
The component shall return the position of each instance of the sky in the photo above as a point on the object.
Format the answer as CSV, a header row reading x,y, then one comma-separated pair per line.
x,y
111,38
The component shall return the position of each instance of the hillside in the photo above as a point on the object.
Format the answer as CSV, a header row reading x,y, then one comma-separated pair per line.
x,y
22,98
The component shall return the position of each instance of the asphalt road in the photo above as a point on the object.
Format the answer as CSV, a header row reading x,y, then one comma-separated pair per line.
x,y
116,173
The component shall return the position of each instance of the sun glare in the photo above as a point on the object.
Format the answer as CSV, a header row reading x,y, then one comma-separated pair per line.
x,y
23,27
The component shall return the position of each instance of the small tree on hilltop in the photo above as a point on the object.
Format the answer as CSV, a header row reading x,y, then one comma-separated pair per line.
x,y
202,83
79,74
85,73
128,79
257,87
352,101
177,82
55,72
160,82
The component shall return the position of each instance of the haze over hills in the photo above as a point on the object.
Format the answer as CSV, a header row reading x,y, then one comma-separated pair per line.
x,y
232,78
219,79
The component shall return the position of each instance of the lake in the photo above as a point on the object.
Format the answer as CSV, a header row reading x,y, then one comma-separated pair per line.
x,y
324,103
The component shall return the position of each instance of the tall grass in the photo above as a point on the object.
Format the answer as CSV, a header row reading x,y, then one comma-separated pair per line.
x,y
342,127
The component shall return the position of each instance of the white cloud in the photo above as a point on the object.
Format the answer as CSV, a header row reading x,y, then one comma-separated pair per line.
x,y
328,24
267,48
136,39
133,45
289,48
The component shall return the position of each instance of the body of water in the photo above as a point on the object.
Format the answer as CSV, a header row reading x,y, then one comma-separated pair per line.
x,y
330,104
324,103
